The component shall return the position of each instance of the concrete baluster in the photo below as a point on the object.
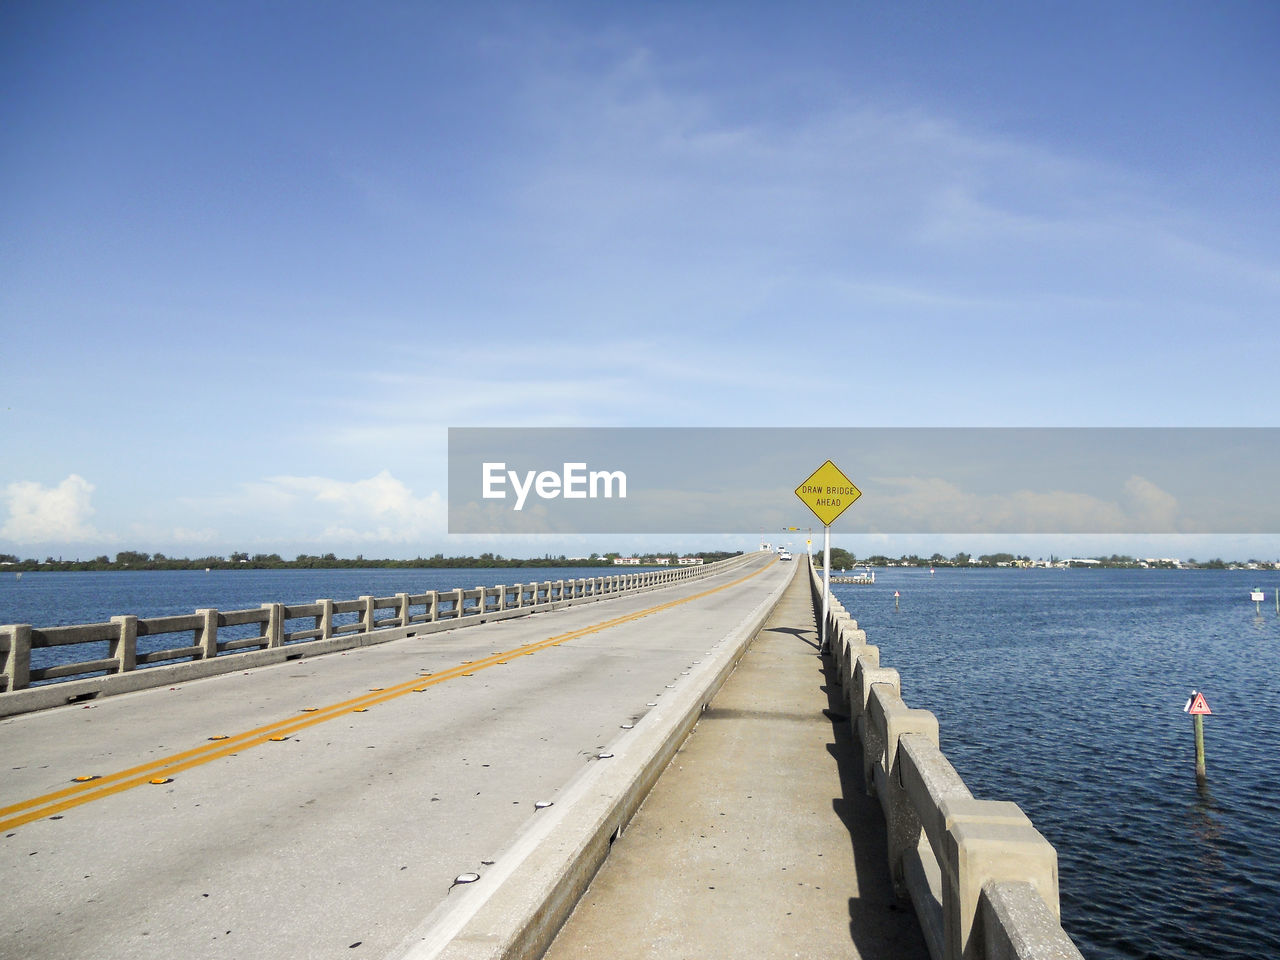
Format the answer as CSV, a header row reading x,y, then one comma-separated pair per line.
x,y
124,648
325,620
17,661
873,745
1017,923
273,630
866,671
854,643
893,718
207,634
367,614
459,603
988,841
402,603
433,606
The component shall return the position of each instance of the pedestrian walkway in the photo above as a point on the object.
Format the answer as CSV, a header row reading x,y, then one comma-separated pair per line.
x,y
758,841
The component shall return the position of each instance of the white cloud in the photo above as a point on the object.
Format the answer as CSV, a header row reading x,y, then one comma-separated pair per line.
x,y
1152,507
40,514
380,508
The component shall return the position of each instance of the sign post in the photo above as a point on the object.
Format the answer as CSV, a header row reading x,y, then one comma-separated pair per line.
x,y
1198,707
828,493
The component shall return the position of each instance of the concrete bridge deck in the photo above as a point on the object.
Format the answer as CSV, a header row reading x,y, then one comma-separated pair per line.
x,y
759,840
351,789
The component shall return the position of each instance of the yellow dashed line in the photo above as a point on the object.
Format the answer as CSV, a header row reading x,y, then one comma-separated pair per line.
x,y
88,789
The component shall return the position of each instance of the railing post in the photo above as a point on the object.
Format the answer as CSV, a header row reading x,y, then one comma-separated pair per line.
x,y
458,603
273,629
17,662
207,638
403,600
124,648
502,596
433,606
366,616
324,622
988,841
891,718
873,744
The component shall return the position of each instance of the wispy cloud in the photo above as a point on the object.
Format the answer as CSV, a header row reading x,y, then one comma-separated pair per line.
x,y
325,510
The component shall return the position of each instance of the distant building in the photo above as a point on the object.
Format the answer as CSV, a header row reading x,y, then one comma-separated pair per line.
x,y
661,561
626,561
689,561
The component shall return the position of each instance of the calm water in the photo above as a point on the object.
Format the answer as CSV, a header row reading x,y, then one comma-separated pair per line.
x,y
1063,691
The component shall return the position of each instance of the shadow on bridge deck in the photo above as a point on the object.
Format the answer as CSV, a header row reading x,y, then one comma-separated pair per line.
x,y
758,840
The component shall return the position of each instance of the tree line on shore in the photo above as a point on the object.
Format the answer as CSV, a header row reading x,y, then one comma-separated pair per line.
x,y
841,558
137,560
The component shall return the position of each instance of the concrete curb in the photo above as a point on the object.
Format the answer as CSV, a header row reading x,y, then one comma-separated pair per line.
x,y
516,908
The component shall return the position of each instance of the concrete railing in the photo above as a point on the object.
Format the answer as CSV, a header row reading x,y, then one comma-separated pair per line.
x,y
197,644
983,880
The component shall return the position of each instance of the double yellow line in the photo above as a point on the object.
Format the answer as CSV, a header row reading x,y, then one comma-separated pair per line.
x,y
96,788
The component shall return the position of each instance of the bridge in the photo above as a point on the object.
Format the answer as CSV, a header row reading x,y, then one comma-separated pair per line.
x,y
467,781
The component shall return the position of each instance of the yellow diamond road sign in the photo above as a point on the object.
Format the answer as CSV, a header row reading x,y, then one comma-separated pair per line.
x,y
828,492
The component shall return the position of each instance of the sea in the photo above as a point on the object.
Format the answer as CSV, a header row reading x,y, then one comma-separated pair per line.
x,y
1061,690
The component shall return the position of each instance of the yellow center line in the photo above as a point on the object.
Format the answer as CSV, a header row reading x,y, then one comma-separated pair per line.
x,y
112,783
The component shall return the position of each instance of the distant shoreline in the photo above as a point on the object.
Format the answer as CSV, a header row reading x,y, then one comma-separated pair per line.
x,y
144,562
330,562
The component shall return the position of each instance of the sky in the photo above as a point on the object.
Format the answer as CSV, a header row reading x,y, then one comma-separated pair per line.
x,y
257,258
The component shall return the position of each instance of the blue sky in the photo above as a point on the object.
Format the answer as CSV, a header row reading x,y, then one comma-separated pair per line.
x,y
255,259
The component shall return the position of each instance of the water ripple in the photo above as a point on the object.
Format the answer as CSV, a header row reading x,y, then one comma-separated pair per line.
x,y
1063,691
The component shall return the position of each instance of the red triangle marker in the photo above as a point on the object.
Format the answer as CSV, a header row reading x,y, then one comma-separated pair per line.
x,y
1199,705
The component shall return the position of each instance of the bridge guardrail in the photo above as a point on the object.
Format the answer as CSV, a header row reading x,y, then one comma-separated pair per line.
x,y
982,879
278,632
